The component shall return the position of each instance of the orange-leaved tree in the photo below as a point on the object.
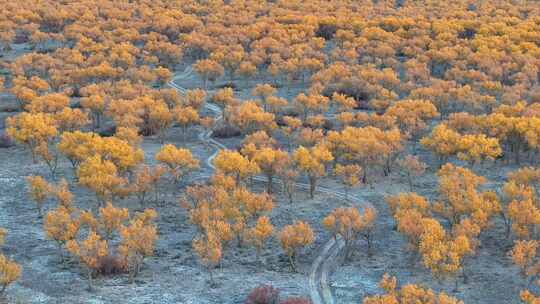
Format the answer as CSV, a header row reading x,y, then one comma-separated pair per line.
x,y
32,130
407,294
412,116
442,253
39,191
9,270
235,164
146,180
185,117
524,254
178,161
409,210
111,219
100,176
295,237
350,224
138,240
208,70
459,196
259,234
349,175
412,167
209,249
269,160
61,225
313,162
90,251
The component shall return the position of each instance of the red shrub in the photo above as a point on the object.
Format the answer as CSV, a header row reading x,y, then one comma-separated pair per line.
x,y
5,141
264,294
110,265
296,300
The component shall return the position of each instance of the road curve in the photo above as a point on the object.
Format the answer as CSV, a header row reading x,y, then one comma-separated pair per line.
x,y
325,261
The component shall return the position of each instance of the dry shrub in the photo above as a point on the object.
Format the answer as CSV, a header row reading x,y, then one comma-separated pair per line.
x,y
5,141
296,300
264,294
226,132
111,265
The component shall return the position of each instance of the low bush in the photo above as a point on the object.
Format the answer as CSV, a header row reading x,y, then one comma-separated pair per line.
x,y
226,132
110,265
296,300
5,141
265,294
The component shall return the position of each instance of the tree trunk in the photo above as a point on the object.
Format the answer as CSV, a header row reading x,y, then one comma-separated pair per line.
x,y
291,262
212,282
312,186
270,178
346,252
90,282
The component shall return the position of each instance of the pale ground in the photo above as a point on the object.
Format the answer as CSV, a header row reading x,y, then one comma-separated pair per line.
x,y
175,276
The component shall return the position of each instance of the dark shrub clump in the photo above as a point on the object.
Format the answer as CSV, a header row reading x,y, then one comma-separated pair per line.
x,y
265,294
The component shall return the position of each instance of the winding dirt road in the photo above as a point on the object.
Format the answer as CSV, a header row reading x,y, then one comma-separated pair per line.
x,y
325,262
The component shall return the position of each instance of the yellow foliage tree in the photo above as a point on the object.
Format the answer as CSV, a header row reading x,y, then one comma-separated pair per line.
x,y
412,167
138,240
111,219
409,210
525,217
408,294
441,253
349,176
178,161
258,234
39,190
9,270
459,195
50,103
77,146
160,119
263,92
349,224
288,175
369,147
146,180
185,117
101,177
235,164
208,70
295,237
69,119
62,194
528,297
269,161
312,161
32,130
194,98
412,116
290,128
442,141
249,117
209,250
61,226
475,148
89,251
524,255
